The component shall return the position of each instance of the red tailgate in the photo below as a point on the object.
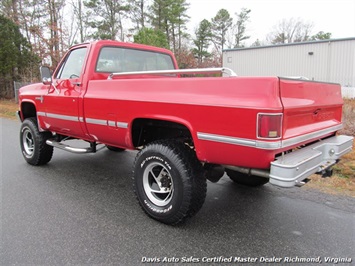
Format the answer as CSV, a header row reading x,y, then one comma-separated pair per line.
x,y
312,110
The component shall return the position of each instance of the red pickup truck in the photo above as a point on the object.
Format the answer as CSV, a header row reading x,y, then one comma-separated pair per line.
x,y
186,129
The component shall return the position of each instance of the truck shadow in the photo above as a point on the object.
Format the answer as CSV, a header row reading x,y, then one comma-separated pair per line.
x,y
105,180
95,191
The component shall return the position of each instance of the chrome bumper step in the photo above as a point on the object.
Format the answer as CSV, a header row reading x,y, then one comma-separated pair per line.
x,y
293,168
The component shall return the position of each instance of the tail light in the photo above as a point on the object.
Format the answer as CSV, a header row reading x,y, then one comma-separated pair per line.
x,y
269,126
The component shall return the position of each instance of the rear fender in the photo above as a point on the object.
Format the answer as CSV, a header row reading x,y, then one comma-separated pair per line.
x,y
170,120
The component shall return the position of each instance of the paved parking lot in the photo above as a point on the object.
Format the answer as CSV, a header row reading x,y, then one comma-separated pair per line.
x,y
80,210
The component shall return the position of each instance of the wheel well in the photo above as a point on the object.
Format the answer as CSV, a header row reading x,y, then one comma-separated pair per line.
x,y
147,130
28,110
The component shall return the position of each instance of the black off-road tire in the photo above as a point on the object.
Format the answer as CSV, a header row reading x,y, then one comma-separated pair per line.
x,y
246,180
33,143
169,181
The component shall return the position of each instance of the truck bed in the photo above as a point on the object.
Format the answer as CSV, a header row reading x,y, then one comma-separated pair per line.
x,y
310,110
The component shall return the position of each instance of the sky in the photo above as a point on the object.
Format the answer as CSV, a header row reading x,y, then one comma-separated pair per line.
x,y
334,16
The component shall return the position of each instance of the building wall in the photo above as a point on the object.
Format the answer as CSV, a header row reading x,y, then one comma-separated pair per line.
x,y
330,61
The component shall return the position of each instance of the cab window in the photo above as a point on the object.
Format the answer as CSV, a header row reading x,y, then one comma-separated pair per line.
x,y
118,59
72,66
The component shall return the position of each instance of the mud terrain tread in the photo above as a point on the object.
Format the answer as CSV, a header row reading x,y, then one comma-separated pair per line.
x,y
194,183
43,153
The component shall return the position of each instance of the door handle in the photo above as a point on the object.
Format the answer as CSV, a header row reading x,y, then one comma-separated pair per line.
x,y
76,83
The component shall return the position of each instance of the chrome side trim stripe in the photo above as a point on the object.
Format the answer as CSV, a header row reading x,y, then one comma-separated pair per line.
x,y
105,123
93,121
111,123
96,121
122,125
239,141
225,139
266,145
313,135
63,117
41,114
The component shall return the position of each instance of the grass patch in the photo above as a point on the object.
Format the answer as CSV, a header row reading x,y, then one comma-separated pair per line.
x,y
8,108
336,185
348,117
346,167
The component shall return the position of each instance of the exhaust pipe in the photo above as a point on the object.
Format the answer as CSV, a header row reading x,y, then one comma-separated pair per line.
x,y
249,171
302,183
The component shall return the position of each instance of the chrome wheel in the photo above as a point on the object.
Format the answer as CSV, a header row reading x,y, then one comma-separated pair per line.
x,y
33,143
158,184
28,142
169,181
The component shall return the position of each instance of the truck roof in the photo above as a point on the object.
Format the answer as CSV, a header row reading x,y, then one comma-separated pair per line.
x,y
126,44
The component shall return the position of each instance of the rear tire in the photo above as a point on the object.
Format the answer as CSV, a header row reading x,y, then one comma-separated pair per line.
x,y
33,143
247,180
169,181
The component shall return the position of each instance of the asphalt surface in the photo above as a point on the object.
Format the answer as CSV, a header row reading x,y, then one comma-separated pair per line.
x,y
80,210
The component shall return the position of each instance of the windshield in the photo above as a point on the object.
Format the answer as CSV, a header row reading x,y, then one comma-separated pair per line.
x,y
118,59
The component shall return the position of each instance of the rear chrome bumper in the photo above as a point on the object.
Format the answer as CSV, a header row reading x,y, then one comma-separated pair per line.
x,y
291,169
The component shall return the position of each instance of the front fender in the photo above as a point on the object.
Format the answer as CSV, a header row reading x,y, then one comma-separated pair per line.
x,y
28,109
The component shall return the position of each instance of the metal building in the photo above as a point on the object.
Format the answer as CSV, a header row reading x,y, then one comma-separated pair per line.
x,y
328,60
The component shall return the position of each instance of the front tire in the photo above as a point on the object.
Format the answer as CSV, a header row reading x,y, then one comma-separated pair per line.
x,y
169,181
33,143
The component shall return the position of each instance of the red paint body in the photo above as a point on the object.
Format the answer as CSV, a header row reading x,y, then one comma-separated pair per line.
x,y
225,107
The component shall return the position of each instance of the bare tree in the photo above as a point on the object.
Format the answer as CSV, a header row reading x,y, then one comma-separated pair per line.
x,y
138,13
31,17
289,31
78,23
54,31
41,21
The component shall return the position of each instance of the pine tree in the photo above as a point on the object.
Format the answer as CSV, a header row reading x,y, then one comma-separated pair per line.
x,y
202,41
152,37
242,19
221,23
107,18
170,17
15,56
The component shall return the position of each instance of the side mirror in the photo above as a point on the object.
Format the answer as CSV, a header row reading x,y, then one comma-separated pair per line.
x,y
46,76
